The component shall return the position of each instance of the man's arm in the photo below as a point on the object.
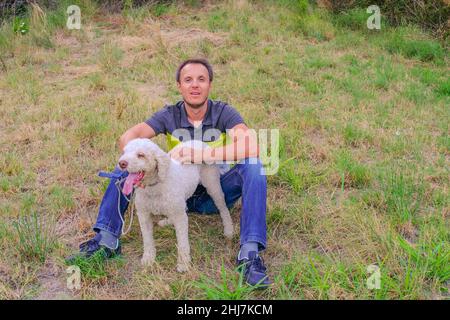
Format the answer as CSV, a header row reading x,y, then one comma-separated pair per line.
x,y
244,145
141,130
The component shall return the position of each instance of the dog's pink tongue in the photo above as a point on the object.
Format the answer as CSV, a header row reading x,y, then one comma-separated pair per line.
x,y
129,183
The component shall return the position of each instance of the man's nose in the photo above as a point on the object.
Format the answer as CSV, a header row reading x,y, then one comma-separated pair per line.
x,y
123,164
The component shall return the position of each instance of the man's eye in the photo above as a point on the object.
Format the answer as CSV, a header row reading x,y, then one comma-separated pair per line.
x,y
141,155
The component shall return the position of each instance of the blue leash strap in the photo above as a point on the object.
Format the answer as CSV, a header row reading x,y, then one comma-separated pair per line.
x,y
118,176
110,175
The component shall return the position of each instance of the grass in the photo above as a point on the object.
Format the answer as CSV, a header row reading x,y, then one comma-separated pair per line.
x,y
35,237
231,287
95,268
407,43
402,196
353,174
363,175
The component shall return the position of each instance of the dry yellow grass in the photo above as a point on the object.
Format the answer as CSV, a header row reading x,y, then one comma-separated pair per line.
x,y
363,131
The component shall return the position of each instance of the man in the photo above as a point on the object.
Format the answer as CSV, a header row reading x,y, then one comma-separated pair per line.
x,y
197,117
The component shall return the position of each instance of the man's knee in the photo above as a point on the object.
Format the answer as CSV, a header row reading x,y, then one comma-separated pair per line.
x,y
252,168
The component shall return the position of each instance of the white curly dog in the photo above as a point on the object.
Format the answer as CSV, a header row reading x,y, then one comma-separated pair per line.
x,y
164,186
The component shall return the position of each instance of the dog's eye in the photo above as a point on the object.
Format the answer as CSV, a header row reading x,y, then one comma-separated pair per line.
x,y
141,155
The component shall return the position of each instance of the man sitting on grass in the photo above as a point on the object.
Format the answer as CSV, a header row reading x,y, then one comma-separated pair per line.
x,y
195,115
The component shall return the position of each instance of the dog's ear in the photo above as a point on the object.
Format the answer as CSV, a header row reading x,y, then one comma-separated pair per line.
x,y
162,164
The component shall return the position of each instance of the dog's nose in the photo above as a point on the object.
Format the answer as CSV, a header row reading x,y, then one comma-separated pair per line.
x,y
123,164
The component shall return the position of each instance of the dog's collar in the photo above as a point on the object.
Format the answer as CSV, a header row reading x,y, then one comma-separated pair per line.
x,y
150,184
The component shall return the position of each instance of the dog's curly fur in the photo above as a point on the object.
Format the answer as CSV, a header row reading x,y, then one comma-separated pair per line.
x,y
166,186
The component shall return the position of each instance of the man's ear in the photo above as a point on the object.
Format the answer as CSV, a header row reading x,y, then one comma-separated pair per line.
x,y
162,165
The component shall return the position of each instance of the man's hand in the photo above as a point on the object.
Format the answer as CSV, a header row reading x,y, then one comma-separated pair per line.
x,y
244,145
187,155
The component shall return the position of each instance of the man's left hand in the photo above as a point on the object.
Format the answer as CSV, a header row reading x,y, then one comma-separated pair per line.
x,y
186,155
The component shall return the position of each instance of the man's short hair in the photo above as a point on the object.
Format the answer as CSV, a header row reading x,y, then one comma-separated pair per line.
x,y
201,61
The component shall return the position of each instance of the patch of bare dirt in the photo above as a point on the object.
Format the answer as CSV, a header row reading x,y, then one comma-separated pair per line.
x,y
63,40
80,71
53,284
409,231
128,43
319,145
150,92
110,22
153,33
176,36
152,39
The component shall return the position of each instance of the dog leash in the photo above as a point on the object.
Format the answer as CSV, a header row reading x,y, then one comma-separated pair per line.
x,y
119,180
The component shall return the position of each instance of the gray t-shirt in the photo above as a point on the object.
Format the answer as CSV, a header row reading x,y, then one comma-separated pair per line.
x,y
219,117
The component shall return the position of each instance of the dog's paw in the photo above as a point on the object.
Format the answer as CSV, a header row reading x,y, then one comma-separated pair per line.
x,y
228,232
182,267
183,263
147,260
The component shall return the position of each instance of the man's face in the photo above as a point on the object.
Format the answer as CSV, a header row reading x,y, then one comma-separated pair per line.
x,y
194,84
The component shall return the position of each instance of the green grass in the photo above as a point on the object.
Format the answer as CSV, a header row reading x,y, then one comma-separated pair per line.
x,y
316,276
231,287
110,57
355,136
36,236
352,173
406,42
61,199
403,196
316,26
363,122
96,267
160,9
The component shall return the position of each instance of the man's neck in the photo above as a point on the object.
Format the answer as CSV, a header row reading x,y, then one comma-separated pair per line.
x,y
196,114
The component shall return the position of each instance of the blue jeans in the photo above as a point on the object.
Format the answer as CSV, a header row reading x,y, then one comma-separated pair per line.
x,y
245,179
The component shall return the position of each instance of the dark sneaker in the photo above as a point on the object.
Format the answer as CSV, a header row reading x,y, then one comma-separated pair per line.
x,y
255,273
93,246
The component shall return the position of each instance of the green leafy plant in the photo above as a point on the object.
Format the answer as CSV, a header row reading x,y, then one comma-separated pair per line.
x,y
20,26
